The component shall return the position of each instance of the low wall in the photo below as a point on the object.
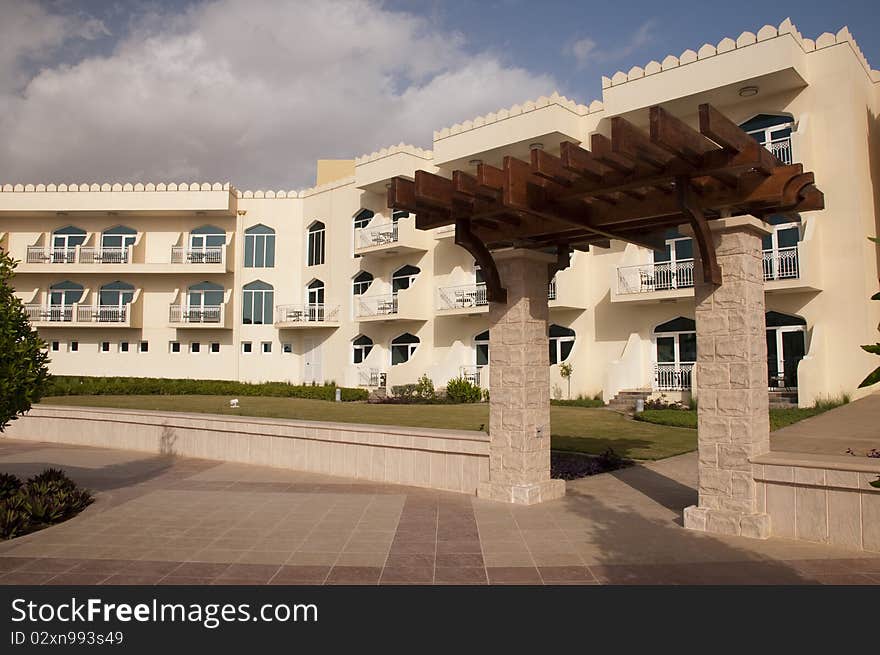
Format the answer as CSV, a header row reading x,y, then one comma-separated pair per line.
x,y
439,459
821,498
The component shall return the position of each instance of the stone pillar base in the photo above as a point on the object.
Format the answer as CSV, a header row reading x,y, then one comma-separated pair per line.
x,y
722,521
522,494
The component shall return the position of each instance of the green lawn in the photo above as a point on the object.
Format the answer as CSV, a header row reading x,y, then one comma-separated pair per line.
x,y
573,428
779,418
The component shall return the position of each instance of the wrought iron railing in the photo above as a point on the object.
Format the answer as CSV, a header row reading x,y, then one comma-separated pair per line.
x,y
310,313
660,276
475,375
44,255
781,264
673,377
77,313
462,296
781,148
376,235
206,255
99,255
196,315
371,377
380,305
551,290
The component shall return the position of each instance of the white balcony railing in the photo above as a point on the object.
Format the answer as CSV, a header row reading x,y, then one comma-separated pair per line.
x,y
381,305
371,377
673,377
78,255
44,255
205,314
97,255
475,375
781,264
781,148
661,276
462,296
375,235
551,290
207,255
77,313
312,313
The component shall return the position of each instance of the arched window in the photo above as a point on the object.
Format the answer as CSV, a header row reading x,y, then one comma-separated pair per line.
x,y
676,341
257,305
315,292
62,296
205,294
64,243
259,247
673,266
403,277
361,348
561,343
786,347
363,218
206,236
397,214
115,242
481,349
362,282
315,244
403,347
773,132
116,294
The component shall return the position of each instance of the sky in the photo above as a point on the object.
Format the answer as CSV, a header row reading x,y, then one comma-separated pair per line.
x,y
252,92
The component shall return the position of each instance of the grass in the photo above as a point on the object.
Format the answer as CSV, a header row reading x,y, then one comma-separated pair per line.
x,y
577,429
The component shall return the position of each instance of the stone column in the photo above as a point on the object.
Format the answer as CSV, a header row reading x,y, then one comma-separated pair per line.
x,y
519,387
731,384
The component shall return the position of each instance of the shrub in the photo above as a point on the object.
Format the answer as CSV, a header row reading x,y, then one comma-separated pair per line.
x,y
420,392
460,390
23,356
425,388
121,386
581,401
46,498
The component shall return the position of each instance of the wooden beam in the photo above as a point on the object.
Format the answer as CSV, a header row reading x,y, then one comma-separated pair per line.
x,y
629,141
702,234
581,161
677,137
495,292
401,194
723,131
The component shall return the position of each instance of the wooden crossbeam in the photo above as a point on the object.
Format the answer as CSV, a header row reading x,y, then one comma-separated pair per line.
x,y
678,138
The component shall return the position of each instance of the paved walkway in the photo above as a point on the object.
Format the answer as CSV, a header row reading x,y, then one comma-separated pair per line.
x,y
163,520
855,425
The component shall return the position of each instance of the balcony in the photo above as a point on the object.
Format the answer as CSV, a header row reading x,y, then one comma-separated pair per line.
x,y
781,264
391,238
655,281
371,377
781,148
673,377
476,375
207,255
306,316
42,258
97,259
204,316
462,299
77,315
379,306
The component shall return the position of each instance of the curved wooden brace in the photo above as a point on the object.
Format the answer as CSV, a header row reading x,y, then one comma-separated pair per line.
x,y
702,234
466,239
563,260
794,188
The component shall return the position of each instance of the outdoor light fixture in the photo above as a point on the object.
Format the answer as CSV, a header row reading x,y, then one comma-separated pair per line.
x,y
475,162
748,91
536,146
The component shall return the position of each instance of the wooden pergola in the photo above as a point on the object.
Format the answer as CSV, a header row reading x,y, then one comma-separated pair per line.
x,y
632,186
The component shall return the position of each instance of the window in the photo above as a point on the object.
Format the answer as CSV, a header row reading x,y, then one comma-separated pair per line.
x,y
257,307
73,346
676,341
403,277
361,347
113,299
316,244
105,346
397,214
204,302
673,266
315,293
215,347
144,346
561,343
64,243
259,247
115,242
363,218
772,132
123,346
62,297
362,282
195,347
266,347
481,348
174,346
287,348
403,347
206,237
246,347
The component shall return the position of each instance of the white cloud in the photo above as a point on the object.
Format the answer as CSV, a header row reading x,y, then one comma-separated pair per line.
x,y
251,92
586,51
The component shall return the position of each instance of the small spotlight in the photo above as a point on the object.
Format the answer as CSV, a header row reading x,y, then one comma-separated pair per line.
x,y
536,146
748,91
475,162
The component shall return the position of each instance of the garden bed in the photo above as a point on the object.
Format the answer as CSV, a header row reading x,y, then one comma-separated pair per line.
x,y
43,500
572,466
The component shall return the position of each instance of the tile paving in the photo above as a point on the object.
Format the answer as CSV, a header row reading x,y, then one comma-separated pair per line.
x,y
183,521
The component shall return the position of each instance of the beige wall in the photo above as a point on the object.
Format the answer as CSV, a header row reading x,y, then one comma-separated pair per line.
x,y
824,85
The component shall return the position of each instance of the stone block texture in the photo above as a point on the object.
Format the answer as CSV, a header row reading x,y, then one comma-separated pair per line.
x,y
519,419
731,384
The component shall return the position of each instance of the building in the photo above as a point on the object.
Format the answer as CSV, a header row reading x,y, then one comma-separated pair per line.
x,y
327,284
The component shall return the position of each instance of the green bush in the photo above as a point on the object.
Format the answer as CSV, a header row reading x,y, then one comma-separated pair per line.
x,y
420,392
581,401
47,498
71,385
460,390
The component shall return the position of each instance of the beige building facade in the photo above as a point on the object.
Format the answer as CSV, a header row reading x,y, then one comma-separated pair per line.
x,y
328,284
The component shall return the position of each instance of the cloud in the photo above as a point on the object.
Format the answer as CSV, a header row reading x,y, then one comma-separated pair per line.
x,y
586,51
250,92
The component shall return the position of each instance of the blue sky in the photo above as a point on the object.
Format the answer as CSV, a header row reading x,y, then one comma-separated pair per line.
x,y
253,91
